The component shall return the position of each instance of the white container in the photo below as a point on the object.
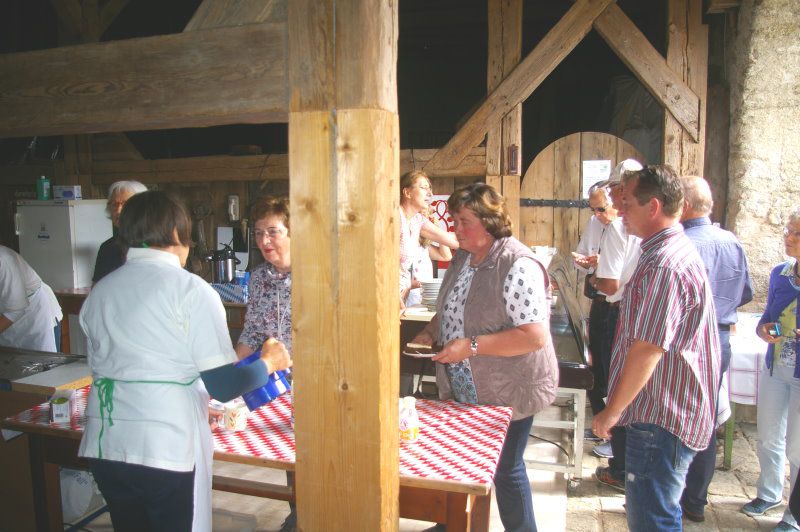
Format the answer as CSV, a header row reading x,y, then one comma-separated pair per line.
x,y
409,420
60,239
71,192
234,417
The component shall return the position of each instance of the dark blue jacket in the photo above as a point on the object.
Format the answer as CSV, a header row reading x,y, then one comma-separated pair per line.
x,y
782,291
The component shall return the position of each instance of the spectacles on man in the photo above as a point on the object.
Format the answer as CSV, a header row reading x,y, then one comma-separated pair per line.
x,y
271,232
788,232
597,209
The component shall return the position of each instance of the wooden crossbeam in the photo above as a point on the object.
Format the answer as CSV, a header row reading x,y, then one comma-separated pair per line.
x,y
109,12
523,80
194,79
650,68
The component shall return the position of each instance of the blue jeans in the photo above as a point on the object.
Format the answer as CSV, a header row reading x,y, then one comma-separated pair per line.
x,y
778,432
512,488
656,462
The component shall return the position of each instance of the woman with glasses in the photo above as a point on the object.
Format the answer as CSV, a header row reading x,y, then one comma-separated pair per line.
x,y
415,198
779,382
269,307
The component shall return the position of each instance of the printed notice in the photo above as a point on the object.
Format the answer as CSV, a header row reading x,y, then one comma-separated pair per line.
x,y
594,172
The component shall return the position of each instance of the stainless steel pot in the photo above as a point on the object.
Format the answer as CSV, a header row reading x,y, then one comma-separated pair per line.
x,y
223,265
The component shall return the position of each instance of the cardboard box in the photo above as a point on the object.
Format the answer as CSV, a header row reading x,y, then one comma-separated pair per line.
x,y
67,192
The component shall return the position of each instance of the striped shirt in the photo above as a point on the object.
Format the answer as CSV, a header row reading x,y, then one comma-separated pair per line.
x,y
668,303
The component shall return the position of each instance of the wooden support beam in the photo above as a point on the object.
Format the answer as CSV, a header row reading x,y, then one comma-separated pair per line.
x,y
666,86
343,157
687,56
219,13
505,50
194,79
473,165
523,80
70,15
194,169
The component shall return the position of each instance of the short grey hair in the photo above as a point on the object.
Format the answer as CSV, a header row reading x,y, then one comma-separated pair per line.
x,y
596,189
794,216
118,187
697,194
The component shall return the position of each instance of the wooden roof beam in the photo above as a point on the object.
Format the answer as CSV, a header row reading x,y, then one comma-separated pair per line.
x,y
219,13
193,79
650,68
522,81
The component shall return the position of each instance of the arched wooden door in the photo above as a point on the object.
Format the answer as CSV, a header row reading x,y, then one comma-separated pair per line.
x,y
555,174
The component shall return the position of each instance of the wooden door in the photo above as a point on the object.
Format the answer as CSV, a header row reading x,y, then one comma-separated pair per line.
x,y
555,174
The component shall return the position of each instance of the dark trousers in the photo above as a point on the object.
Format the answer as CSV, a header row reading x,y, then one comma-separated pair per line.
x,y
698,479
794,502
600,347
145,498
616,464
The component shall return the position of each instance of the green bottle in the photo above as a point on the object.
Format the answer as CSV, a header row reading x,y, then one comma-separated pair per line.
x,y
43,188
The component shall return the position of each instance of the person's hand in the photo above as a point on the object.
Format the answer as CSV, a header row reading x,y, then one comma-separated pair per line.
x,y
764,330
214,418
275,355
455,351
603,422
415,283
591,261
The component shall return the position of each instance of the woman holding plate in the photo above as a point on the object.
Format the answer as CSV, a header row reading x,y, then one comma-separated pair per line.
x,y
492,317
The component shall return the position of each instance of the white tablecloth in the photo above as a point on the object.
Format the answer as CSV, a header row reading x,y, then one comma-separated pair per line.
x,y
747,358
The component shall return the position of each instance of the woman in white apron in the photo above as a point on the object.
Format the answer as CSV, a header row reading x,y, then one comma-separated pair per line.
x,y
157,339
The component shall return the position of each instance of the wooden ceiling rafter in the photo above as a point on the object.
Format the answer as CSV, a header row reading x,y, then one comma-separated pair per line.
x,y
625,39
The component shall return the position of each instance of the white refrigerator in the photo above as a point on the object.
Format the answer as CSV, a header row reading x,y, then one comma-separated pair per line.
x,y
60,239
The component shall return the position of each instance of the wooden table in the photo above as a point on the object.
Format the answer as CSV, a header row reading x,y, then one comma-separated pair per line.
x,y
445,477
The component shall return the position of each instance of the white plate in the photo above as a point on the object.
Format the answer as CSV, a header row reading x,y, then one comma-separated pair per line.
x,y
420,355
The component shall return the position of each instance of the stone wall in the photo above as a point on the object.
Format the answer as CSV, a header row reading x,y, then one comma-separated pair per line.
x,y
764,164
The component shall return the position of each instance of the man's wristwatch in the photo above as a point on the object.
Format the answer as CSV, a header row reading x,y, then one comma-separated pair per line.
x,y
473,345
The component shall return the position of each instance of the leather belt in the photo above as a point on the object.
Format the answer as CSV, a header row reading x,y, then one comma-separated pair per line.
x,y
723,327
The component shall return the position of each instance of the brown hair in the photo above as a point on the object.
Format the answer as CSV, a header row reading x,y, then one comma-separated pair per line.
x,y
661,182
410,179
152,218
487,204
270,206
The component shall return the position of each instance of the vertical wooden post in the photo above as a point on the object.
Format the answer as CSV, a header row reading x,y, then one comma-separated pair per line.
x,y
505,50
344,164
687,55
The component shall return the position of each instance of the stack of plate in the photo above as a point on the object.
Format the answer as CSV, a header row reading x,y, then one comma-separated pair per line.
x,y
430,291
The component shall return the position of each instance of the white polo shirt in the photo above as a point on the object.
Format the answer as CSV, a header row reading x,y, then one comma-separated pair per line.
x,y
152,321
633,250
590,239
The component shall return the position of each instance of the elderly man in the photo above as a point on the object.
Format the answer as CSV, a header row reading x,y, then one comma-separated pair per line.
x,y
604,233
111,255
726,266
665,362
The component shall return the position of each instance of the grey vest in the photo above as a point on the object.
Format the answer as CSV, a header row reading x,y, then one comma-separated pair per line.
x,y
527,382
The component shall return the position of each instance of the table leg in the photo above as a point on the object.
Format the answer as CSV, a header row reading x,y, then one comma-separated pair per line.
x,y
457,512
479,517
46,482
65,344
730,425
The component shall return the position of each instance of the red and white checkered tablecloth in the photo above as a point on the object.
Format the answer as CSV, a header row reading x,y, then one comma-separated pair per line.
x,y
457,442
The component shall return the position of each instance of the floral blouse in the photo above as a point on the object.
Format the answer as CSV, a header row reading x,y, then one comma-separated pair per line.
x,y
269,308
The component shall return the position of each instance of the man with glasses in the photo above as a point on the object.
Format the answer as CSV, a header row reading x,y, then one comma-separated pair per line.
x,y
603,238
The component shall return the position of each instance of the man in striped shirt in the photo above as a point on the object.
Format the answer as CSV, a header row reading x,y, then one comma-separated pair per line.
x,y
666,357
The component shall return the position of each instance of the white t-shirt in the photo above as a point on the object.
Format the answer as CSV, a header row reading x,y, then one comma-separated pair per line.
x,y
612,251
633,250
151,320
590,239
29,303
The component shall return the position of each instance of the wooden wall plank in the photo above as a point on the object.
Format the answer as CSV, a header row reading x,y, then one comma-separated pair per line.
x,y
210,77
666,86
566,186
523,80
344,155
536,223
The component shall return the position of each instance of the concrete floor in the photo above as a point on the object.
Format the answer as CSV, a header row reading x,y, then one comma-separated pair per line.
x,y
591,507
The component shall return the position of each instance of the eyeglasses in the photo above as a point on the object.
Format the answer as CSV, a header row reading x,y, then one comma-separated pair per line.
x,y
788,232
597,209
272,233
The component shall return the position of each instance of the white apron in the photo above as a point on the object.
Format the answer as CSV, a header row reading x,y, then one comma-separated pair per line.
x,y
34,330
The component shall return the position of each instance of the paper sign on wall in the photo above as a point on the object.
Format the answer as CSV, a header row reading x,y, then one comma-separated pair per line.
x,y
594,172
